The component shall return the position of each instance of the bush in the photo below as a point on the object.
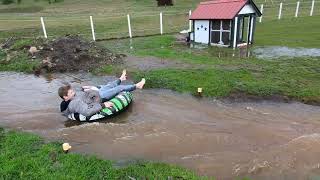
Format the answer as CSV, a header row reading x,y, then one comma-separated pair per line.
x,y
7,2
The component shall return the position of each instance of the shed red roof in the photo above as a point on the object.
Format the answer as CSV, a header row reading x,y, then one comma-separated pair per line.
x,y
218,9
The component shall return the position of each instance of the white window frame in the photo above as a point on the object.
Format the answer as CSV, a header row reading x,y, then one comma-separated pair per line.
x,y
221,30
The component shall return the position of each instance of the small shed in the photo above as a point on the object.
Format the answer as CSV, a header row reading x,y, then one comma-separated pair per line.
x,y
222,22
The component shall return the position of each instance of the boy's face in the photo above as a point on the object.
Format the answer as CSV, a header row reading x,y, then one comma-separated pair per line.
x,y
70,95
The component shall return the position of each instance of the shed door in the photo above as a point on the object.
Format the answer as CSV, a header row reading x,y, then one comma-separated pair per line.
x,y
201,30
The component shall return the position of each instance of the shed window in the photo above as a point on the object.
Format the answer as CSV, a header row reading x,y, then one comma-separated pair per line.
x,y
220,31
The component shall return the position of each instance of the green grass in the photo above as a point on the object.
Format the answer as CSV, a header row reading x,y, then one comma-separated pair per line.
x,y
19,62
293,32
26,156
298,79
298,32
32,9
72,17
21,43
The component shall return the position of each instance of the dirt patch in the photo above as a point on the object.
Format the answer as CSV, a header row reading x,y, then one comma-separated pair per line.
x,y
71,53
64,54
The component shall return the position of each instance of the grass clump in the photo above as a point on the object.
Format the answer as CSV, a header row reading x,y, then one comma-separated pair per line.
x,y
297,79
18,63
26,156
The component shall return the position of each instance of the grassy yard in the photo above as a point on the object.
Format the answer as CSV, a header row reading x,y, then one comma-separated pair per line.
x,y
222,75
72,17
216,70
26,156
220,71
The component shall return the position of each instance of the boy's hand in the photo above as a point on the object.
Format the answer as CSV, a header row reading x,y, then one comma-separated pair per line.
x,y
88,88
108,104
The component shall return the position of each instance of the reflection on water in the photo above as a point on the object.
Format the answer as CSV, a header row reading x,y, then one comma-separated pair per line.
x,y
269,52
274,52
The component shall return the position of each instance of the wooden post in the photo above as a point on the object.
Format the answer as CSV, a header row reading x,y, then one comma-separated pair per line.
x,y
190,22
280,10
261,9
235,32
129,26
297,9
92,29
43,28
161,25
312,6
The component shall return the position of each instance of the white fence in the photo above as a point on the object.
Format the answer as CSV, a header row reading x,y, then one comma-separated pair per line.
x,y
290,8
157,23
130,33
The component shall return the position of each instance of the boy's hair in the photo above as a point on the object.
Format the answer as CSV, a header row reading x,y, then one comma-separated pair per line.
x,y
63,91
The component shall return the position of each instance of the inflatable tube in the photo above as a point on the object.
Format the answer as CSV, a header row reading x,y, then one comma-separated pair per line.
x,y
121,101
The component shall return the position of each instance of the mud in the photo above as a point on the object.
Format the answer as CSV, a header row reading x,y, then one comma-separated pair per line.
x,y
265,140
66,54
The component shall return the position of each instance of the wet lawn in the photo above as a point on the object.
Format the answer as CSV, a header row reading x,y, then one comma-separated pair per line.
x,y
26,156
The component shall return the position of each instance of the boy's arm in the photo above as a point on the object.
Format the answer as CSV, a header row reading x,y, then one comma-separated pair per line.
x,y
92,96
81,107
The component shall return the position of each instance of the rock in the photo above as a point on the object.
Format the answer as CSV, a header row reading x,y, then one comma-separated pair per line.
x,y
33,50
66,147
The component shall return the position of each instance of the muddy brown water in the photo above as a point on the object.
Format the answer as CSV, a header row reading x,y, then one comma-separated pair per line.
x,y
262,140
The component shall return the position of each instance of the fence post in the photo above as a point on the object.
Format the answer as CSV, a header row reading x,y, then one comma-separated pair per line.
x,y
261,9
297,9
43,28
129,26
312,6
92,29
190,22
161,25
280,10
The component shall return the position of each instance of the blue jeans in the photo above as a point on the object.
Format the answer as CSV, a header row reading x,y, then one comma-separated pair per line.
x,y
112,89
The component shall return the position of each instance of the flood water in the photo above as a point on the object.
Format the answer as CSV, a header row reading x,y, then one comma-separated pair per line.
x,y
262,140
274,52
267,53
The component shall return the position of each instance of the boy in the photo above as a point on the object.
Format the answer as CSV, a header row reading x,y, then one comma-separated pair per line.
x,y
92,99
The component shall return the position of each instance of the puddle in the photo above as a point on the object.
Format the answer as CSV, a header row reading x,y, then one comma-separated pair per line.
x,y
264,140
275,52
